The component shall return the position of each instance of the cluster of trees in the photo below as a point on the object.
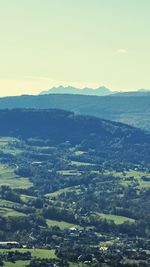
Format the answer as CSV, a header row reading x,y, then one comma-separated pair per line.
x,y
9,194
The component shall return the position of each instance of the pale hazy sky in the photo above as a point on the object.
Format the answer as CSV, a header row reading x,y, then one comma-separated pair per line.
x,y
74,42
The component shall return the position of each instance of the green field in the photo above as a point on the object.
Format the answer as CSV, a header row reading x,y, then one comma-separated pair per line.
x,y
4,140
9,178
6,212
5,145
41,253
26,198
17,182
64,190
131,176
115,218
69,172
79,163
35,253
60,224
12,151
79,153
9,204
78,265
16,264
137,176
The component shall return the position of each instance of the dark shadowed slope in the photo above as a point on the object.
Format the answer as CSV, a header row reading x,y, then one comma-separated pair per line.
x,y
133,110
112,139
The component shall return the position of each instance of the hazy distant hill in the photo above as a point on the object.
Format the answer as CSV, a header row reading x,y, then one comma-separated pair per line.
x,y
133,110
101,91
139,93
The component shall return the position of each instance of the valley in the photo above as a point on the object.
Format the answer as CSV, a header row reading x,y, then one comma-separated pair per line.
x,y
70,201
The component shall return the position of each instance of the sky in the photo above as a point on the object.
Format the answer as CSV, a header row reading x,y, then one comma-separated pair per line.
x,y
83,43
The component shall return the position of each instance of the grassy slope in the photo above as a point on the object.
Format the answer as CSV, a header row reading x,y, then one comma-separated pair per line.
x,y
16,264
126,178
115,218
60,224
35,253
9,178
10,212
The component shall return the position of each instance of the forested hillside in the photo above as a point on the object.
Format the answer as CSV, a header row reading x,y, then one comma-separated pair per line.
x,y
131,109
112,139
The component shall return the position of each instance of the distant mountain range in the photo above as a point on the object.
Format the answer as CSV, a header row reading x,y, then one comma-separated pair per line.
x,y
101,91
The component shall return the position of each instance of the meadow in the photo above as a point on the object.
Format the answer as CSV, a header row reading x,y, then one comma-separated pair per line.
x,y
115,218
60,224
35,253
9,178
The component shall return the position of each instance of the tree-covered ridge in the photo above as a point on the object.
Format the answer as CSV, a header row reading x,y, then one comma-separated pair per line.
x,y
111,139
133,110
